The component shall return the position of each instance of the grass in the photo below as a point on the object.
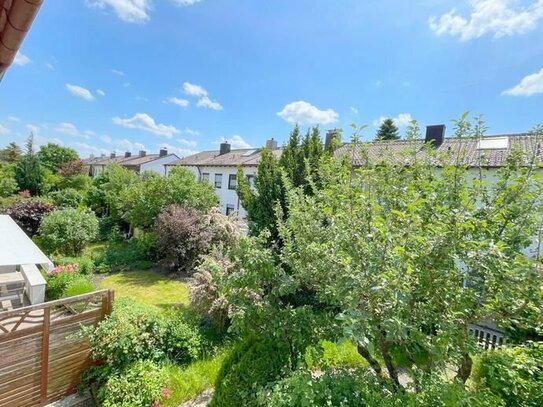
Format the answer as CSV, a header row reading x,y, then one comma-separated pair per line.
x,y
188,382
148,287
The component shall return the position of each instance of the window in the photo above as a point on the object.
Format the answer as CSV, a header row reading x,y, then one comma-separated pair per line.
x,y
218,180
205,176
251,180
229,209
232,181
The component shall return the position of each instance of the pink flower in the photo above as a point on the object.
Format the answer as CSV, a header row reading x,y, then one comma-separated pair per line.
x,y
156,404
166,393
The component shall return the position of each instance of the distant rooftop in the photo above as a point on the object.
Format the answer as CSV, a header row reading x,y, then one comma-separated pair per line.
x,y
245,156
489,151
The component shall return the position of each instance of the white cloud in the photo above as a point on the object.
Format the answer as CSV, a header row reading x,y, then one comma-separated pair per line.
x,y
34,129
528,86
127,145
177,101
181,152
80,92
236,141
208,103
100,92
21,59
188,143
3,130
194,90
402,120
131,11
353,110
497,17
14,119
378,83
191,132
72,130
67,128
302,112
105,139
185,2
203,96
143,121
86,150
50,65
117,72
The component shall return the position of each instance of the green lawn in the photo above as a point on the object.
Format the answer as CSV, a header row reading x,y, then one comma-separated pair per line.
x,y
148,287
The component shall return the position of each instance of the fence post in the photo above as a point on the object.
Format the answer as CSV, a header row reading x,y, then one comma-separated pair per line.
x,y
45,353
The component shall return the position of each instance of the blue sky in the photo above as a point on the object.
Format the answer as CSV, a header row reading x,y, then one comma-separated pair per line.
x,y
117,75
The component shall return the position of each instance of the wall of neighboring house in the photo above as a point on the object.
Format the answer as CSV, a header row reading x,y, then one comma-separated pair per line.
x,y
158,164
228,197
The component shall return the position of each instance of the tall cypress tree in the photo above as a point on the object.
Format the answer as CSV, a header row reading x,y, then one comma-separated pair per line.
x,y
387,131
29,172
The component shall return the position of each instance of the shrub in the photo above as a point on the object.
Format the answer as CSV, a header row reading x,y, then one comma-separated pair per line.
x,y
59,279
144,201
205,293
8,185
253,364
77,182
68,230
514,374
132,332
29,214
361,388
143,383
66,198
71,168
182,342
182,235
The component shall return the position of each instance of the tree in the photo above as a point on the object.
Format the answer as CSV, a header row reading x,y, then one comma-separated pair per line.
x,y
297,166
72,168
142,202
29,172
387,131
105,197
68,231
53,156
398,259
8,183
261,205
11,154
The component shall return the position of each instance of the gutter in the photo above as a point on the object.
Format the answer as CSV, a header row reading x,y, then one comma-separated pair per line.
x,y
16,17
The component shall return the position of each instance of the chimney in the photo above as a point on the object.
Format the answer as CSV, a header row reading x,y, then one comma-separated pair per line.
x,y
112,155
163,152
435,135
271,144
330,136
225,148
143,153
128,154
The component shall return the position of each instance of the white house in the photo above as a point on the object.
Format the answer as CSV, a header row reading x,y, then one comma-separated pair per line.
x,y
138,163
19,261
220,168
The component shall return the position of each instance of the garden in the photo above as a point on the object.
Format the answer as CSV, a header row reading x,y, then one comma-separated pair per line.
x,y
353,287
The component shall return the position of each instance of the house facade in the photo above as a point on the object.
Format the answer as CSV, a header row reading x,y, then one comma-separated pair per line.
x,y
138,163
220,167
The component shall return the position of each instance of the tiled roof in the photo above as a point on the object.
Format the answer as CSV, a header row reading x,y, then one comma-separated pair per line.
x,y
245,157
464,151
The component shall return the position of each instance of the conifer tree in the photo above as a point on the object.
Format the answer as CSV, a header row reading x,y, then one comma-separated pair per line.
x,y
387,131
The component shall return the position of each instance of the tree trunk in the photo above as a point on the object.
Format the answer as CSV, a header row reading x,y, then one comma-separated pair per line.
x,y
365,353
384,345
464,371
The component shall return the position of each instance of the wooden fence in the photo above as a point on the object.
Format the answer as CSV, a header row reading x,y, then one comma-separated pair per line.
x,y
41,355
